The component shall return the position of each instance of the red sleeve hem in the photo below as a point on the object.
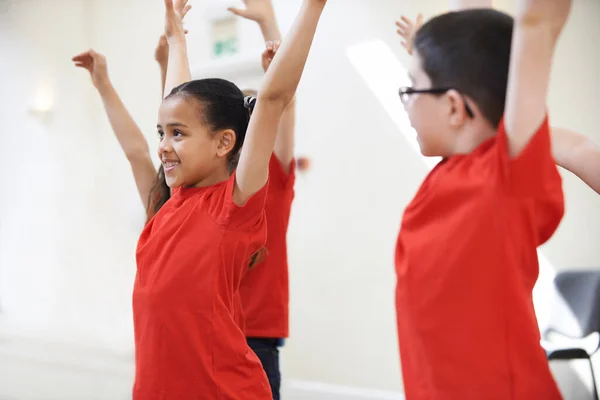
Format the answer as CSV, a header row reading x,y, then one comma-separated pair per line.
x,y
277,175
249,214
532,172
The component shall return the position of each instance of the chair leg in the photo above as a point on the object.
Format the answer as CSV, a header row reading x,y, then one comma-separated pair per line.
x,y
594,388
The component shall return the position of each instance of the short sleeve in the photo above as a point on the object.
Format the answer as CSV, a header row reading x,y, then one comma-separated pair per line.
x,y
278,178
230,215
532,173
533,177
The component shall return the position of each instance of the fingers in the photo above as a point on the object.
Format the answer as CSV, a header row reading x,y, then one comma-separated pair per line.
x,y
403,33
84,61
402,30
185,10
237,11
406,27
169,7
273,45
407,21
80,57
88,53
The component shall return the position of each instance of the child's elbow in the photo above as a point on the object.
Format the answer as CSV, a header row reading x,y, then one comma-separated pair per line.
x,y
276,98
552,18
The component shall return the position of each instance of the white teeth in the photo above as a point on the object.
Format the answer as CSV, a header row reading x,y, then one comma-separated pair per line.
x,y
169,164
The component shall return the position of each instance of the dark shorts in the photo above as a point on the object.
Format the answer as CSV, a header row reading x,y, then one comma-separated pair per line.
x,y
267,350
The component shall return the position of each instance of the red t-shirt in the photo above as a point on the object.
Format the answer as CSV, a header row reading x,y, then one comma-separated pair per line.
x,y
265,288
190,260
238,311
466,263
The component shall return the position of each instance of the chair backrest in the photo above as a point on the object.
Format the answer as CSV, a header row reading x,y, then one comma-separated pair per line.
x,y
579,291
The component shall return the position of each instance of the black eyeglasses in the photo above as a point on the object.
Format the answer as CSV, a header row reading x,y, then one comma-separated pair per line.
x,y
406,91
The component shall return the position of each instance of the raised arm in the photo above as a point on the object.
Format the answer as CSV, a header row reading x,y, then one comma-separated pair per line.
x,y
577,154
538,24
261,11
278,89
178,68
161,55
128,134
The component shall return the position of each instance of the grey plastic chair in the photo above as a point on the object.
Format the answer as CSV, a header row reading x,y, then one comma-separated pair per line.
x,y
579,291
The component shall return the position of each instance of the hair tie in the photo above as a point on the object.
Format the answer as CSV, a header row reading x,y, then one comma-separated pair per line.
x,y
249,102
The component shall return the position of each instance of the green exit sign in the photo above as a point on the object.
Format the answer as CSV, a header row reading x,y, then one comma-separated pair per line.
x,y
224,37
225,47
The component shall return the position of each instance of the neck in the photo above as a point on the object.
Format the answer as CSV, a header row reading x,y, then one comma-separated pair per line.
x,y
472,135
212,179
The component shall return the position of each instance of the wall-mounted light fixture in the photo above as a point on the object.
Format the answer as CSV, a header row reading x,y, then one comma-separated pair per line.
x,y
42,104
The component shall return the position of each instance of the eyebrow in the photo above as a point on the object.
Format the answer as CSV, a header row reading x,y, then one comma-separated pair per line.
x,y
173,125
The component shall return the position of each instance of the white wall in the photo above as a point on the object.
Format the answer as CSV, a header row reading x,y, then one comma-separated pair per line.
x,y
70,215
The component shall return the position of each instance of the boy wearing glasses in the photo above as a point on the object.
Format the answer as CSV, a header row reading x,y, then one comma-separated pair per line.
x,y
466,256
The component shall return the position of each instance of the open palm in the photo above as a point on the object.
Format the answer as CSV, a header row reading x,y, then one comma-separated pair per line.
x,y
175,11
256,10
407,29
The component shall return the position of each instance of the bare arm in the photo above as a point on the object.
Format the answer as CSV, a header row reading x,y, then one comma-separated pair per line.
x,y
128,134
284,142
178,69
132,141
161,55
261,11
537,27
577,154
279,88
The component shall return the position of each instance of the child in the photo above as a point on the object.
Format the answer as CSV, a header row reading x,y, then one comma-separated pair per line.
x,y
466,253
264,290
570,150
149,181
193,253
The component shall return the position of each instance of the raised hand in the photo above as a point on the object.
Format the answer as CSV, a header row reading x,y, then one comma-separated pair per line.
x,y
161,54
407,29
95,63
175,12
260,11
269,53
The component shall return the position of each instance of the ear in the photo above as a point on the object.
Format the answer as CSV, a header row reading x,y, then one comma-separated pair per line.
x,y
457,108
225,142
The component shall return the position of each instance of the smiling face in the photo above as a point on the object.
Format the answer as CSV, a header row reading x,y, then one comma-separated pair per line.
x,y
188,149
